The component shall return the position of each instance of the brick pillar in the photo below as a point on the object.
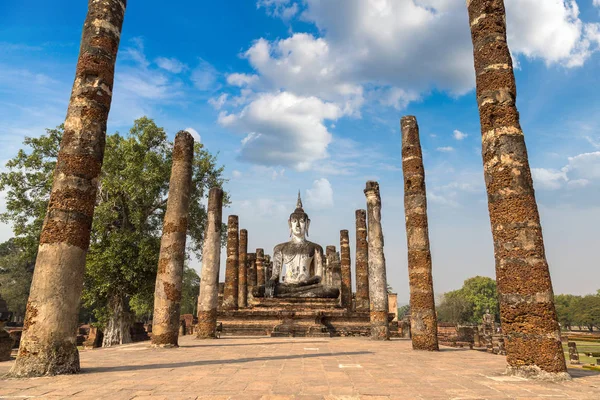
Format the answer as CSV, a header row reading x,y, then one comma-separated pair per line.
x,y
260,267
243,269
527,313
267,267
377,275
252,278
346,270
211,260
422,303
362,262
329,264
48,344
230,294
169,277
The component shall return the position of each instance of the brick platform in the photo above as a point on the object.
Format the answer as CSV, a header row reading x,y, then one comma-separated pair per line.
x,y
273,368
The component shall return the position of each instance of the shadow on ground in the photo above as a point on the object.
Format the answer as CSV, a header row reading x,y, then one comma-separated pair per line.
x,y
213,362
216,344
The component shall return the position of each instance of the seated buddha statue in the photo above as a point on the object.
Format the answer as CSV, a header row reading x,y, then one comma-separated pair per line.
x,y
303,262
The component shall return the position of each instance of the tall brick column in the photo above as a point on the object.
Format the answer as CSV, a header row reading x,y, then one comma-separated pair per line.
x,y
260,267
252,278
243,269
169,277
230,294
377,275
527,313
48,343
211,262
362,262
346,292
423,318
267,267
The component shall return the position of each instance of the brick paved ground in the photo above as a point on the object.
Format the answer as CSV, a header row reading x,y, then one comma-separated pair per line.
x,y
269,368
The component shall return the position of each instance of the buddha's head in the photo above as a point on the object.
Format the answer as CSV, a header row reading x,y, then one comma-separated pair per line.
x,y
299,221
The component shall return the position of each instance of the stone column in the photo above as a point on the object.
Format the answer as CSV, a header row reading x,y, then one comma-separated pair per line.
x,y
252,278
48,343
346,292
243,269
169,277
527,313
329,264
422,302
377,275
211,260
230,294
267,267
260,267
362,262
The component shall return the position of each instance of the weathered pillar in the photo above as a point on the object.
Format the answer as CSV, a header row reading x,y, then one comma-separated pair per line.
x,y
527,312
329,264
252,276
260,267
267,267
243,269
48,343
377,275
346,271
422,302
230,294
211,260
362,262
169,277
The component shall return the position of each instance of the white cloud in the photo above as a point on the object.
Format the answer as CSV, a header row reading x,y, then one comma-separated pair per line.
x,y
170,64
550,30
581,170
235,174
194,134
284,9
283,129
205,76
446,149
240,80
387,51
548,178
218,102
458,135
320,195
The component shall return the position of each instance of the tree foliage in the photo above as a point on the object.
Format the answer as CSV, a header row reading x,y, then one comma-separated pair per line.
x,y
132,196
16,270
469,303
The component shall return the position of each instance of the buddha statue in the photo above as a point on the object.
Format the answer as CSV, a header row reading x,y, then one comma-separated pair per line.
x,y
303,262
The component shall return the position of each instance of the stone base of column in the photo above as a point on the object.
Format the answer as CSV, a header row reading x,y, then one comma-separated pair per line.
x,y
207,325
165,340
58,358
535,372
424,342
379,325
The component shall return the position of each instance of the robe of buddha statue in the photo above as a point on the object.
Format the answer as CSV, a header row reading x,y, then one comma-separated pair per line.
x,y
302,261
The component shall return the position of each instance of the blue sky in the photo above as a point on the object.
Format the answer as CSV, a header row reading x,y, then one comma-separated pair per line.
x,y
307,95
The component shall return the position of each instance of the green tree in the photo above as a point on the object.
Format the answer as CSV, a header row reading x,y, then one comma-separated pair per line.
x,y
16,270
454,308
469,303
586,311
189,291
403,311
125,241
481,292
565,307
